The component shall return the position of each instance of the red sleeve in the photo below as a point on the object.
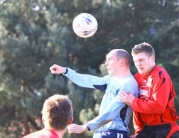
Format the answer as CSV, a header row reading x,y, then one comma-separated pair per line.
x,y
158,96
137,122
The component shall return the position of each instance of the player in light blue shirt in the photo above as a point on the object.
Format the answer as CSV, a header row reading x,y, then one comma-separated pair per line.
x,y
114,116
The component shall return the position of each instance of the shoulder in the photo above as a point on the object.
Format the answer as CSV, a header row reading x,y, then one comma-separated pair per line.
x,y
130,80
159,72
41,134
37,134
107,78
137,75
130,84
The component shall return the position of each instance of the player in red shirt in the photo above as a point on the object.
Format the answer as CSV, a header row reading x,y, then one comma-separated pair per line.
x,y
44,133
154,111
57,114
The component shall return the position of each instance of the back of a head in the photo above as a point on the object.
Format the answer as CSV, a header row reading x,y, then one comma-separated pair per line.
x,y
121,53
143,47
57,111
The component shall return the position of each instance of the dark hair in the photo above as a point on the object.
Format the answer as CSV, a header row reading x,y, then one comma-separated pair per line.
x,y
125,55
143,47
57,111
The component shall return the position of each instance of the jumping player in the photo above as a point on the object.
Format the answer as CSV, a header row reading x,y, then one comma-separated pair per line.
x,y
114,116
154,111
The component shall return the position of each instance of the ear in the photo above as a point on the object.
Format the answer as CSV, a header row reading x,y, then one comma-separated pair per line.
x,y
152,58
70,121
122,61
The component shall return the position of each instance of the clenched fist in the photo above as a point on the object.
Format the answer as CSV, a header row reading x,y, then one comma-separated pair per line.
x,y
57,69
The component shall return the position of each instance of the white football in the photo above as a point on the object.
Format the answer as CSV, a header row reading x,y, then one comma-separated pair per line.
x,y
85,25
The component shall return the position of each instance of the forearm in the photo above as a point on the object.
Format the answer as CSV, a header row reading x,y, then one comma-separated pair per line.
x,y
77,129
149,106
84,80
108,115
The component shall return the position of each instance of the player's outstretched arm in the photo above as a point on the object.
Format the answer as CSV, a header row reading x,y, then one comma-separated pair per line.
x,y
57,69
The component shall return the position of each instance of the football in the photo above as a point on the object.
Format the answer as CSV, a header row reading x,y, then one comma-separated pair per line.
x,y
85,25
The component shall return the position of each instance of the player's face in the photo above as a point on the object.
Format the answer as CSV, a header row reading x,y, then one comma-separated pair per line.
x,y
112,64
143,63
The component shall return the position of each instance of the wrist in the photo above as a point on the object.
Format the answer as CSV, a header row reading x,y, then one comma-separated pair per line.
x,y
132,102
65,71
87,127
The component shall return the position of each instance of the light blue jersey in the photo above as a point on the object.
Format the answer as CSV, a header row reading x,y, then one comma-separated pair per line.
x,y
113,115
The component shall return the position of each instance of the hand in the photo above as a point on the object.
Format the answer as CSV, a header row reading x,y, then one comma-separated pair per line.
x,y
56,69
126,97
77,129
133,136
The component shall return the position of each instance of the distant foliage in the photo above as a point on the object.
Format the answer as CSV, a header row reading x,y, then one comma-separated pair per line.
x,y
35,34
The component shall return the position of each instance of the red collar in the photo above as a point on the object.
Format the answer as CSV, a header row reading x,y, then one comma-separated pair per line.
x,y
52,132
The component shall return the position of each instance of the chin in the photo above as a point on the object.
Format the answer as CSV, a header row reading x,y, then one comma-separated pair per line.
x,y
110,73
140,72
143,73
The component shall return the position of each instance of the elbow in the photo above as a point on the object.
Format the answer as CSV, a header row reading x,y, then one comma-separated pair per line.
x,y
159,109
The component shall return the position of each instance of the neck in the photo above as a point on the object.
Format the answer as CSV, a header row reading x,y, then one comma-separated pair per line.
x,y
60,133
123,74
152,67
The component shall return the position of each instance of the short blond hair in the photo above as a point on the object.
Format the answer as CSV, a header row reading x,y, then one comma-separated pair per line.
x,y
57,111
143,47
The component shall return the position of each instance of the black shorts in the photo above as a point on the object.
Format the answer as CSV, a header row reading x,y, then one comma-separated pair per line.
x,y
110,134
157,131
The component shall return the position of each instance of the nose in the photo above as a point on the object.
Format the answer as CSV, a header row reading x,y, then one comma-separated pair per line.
x,y
137,64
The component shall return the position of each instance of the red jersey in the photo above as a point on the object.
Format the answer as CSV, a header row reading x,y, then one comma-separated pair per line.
x,y
44,133
155,104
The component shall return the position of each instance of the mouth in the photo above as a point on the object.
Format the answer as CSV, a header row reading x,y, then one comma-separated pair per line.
x,y
108,70
140,69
